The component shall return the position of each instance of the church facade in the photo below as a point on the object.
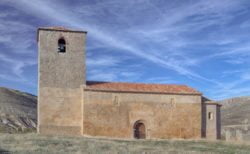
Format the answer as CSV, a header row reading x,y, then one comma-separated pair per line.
x,y
70,105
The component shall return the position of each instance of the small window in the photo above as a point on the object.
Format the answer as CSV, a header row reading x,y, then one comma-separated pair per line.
x,y
61,45
210,116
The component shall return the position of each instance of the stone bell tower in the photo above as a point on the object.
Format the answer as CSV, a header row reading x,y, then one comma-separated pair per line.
x,y
61,74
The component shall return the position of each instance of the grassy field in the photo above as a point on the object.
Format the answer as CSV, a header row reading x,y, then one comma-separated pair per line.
x,y
33,143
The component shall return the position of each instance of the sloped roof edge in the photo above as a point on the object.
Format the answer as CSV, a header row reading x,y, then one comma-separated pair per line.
x,y
140,87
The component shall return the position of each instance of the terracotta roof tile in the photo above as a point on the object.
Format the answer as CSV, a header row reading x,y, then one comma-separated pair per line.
x,y
140,87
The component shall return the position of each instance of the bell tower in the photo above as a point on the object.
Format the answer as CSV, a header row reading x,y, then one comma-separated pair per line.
x,y
61,74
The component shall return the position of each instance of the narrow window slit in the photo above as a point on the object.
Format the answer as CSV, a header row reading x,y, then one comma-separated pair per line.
x,y
210,116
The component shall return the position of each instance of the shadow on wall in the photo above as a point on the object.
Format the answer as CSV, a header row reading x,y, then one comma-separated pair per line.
x,y
203,121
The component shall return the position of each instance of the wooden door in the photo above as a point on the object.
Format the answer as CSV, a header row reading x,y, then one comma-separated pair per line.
x,y
139,131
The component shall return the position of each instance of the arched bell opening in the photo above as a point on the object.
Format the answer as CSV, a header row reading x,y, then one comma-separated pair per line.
x,y
61,45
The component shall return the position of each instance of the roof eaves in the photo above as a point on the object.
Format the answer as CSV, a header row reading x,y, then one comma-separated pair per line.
x,y
146,92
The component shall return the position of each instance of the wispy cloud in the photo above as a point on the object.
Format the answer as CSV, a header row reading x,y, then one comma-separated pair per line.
x,y
102,61
15,68
194,39
162,80
63,15
113,74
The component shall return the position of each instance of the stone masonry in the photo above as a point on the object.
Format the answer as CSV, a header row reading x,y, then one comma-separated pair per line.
x,y
70,105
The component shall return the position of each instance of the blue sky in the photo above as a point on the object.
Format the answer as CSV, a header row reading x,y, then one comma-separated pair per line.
x,y
201,43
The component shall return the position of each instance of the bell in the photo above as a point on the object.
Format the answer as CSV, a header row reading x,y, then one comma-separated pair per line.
x,y
61,48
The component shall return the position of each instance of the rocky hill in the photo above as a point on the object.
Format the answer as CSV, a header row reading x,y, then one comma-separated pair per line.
x,y
235,111
235,118
17,111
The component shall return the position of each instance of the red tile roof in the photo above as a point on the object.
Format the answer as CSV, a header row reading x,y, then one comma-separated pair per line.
x,y
140,87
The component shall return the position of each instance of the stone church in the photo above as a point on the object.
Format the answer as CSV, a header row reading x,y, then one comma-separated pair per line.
x,y
68,104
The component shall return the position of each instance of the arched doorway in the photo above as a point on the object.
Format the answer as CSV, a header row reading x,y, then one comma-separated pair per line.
x,y
139,130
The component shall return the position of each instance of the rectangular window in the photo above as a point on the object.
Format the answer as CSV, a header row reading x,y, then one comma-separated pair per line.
x,y
210,116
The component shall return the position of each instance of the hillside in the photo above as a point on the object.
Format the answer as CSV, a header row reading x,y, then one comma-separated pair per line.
x,y
235,111
17,111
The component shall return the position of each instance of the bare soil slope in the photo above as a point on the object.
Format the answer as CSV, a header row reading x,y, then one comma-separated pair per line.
x,y
235,111
17,111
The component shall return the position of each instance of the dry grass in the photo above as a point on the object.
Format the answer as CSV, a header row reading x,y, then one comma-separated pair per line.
x,y
33,143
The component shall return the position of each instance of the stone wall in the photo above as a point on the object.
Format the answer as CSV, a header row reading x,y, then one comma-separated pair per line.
x,y
60,111
236,132
65,107
61,75
165,116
